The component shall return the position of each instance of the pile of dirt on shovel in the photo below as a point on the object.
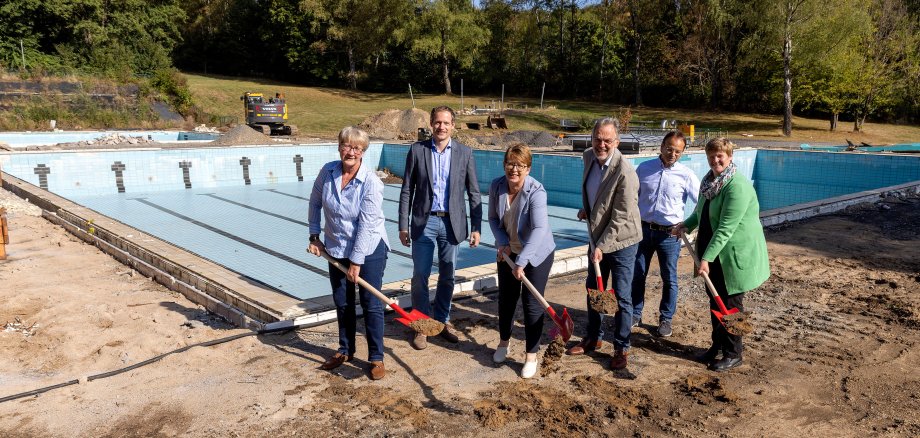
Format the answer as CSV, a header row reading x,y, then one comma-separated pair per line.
x,y
602,301
395,124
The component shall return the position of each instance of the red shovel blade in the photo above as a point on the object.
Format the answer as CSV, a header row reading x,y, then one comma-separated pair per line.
x,y
564,325
408,317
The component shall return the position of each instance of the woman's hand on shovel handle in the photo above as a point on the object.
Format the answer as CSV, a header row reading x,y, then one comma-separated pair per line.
x,y
704,268
518,272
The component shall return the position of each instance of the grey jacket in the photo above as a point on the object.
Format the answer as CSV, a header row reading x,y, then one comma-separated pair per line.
x,y
417,193
614,222
533,220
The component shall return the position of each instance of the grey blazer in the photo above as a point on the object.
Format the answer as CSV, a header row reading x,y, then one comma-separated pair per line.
x,y
417,193
614,222
533,220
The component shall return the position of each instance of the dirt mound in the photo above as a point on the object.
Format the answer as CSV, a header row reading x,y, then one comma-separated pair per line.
x,y
242,135
395,124
706,389
534,139
557,411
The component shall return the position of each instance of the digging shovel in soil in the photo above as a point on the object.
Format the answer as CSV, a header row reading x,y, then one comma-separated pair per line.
x,y
735,322
415,320
602,301
564,324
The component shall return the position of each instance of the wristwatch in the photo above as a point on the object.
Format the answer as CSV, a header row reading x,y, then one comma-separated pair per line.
x,y
314,238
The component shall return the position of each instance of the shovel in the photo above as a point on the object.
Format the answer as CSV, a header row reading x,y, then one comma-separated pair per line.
x,y
710,288
415,320
565,326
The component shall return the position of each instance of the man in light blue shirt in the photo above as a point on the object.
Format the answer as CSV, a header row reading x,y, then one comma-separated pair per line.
x,y
665,188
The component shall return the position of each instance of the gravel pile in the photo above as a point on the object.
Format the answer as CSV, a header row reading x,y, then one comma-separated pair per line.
x,y
242,135
395,124
534,139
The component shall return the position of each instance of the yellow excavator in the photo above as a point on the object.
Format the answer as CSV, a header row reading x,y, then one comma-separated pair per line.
x,y
267,116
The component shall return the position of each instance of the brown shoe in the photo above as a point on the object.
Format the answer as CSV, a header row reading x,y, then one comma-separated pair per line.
x,y
449,334
335,361
619,361
584,347
419,341
377,370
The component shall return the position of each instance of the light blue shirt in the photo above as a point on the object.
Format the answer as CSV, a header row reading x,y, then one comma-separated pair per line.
x,y
593,181
353,215
440,180
665,191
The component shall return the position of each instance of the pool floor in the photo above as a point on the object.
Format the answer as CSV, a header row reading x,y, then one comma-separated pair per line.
x,y
261,231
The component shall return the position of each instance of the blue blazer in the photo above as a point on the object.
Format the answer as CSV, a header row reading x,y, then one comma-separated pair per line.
x,y
533,220
417,193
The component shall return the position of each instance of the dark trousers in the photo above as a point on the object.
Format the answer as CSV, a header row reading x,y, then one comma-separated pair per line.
x,y
730,344
510,289
619,265
343,295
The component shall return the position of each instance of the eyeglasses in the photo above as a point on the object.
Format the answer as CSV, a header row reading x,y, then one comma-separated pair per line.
x,y
346,148
512,166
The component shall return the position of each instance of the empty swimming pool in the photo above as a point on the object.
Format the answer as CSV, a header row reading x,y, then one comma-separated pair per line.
x,y
245,208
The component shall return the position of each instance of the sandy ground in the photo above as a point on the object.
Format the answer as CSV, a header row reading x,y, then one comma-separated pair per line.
x,y
834,353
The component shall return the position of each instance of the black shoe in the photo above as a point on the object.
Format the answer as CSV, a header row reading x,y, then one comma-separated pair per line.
x,y
726,363
710,355
636,322
664,329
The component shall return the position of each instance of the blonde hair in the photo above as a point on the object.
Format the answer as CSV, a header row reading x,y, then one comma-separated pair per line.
x,y
519,151
720,144
355,136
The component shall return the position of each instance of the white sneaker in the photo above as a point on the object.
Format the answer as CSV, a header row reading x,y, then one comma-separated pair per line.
x,y
529,370
501,353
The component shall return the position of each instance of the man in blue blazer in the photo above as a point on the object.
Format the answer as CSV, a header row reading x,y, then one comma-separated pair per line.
x,y
432,213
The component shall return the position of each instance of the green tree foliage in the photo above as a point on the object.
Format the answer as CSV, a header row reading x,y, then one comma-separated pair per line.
x,y
114,37
446,32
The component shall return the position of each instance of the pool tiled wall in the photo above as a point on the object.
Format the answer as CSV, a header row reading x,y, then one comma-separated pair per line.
x,y
107,172
785,178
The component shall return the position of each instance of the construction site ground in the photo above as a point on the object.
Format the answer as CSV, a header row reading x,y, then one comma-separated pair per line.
x,y
834,353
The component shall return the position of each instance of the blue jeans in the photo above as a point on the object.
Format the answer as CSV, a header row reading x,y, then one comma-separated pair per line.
x,y
437,232
668,249
343,295
620,264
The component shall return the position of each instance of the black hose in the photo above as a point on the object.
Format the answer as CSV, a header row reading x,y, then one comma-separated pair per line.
x,y
152,360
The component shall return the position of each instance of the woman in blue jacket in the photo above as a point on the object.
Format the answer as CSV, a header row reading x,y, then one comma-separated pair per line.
x,y
520,222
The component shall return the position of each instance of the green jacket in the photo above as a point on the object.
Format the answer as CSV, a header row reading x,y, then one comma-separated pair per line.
x,y
737,235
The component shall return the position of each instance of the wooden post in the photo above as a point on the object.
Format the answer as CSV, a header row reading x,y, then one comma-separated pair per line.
x,y
4,234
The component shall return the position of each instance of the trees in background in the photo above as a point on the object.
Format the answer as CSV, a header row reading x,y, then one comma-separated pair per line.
x,y
850,59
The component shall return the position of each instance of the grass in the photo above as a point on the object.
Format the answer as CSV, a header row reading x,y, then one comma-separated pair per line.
x,y
321,112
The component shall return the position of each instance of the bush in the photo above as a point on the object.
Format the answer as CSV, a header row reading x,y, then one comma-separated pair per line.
x,y
174,87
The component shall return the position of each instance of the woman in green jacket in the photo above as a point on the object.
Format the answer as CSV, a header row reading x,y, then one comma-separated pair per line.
x,y
731,244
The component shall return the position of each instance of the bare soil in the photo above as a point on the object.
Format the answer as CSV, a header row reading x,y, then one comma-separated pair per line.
x,y
834,352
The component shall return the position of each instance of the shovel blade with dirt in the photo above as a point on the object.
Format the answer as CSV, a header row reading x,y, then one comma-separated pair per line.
x,y
564,325
415,320
735,321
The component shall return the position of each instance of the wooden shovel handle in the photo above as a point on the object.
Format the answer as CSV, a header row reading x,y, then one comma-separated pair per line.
x,y
696,261
533,290
360,281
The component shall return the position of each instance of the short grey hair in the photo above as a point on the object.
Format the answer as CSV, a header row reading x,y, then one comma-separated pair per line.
x,y
355,136
606,121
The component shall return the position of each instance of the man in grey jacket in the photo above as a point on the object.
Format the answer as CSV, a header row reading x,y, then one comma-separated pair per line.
x,y
432,213
610,204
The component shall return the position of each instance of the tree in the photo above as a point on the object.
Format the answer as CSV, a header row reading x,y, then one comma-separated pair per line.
x,y
885,50
356,27
446,31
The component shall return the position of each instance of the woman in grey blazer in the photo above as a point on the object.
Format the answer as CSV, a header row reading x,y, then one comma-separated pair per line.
x,y
520,222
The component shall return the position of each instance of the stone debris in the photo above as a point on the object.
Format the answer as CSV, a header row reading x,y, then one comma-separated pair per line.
x,y
205,128
18,326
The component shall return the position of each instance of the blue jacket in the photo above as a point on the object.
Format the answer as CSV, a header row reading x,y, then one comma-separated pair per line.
x,y
533,220
416,193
